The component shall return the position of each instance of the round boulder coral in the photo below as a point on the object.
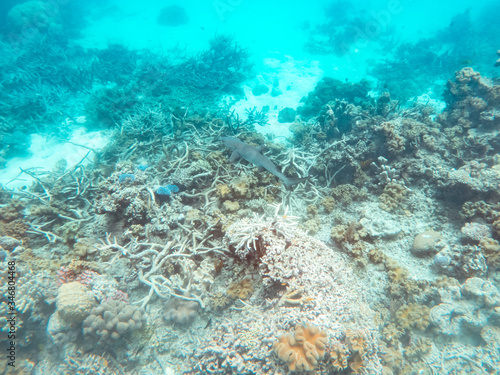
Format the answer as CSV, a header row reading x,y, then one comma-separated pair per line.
x,y
74,302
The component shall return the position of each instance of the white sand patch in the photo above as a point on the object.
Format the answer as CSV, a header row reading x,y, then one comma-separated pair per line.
x,y
294,78
45,152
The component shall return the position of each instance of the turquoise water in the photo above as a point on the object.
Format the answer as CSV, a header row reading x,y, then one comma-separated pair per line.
x,y
250,187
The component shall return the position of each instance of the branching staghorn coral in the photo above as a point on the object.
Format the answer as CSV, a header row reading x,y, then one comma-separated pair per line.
x,y
57,198
244,235
149,258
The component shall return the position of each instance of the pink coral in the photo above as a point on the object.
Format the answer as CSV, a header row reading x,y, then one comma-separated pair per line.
x,y
86,277
64,276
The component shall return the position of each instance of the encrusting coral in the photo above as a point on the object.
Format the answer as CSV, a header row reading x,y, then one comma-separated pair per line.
x,y
303,349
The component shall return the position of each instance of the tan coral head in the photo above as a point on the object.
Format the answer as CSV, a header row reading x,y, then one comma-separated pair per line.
x,y
303,349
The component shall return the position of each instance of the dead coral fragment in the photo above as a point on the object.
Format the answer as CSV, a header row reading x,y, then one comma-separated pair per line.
x,y
303,349
242,289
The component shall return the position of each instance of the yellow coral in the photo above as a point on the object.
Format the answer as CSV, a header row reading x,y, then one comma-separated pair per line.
x,y
418,349
413,316
311,226
312,210
445,282
398,274
491,249
377,256
392,358
193,215
393,196
496,226
303,349
328,204
231,206
241,290
392,334
240,188
223,190
356,363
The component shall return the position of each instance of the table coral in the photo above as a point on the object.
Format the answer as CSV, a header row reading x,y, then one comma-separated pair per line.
x,y
303,349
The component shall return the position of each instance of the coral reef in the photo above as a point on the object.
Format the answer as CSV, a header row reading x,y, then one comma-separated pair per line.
x,y
399,213
173,15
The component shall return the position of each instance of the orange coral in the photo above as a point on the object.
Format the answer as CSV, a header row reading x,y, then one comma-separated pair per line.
x,y
303,349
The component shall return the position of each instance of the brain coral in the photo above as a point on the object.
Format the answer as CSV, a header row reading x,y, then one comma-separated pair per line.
x,y
74,302
303,349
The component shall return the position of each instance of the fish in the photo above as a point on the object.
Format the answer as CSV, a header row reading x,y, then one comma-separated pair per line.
x,y
254,155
